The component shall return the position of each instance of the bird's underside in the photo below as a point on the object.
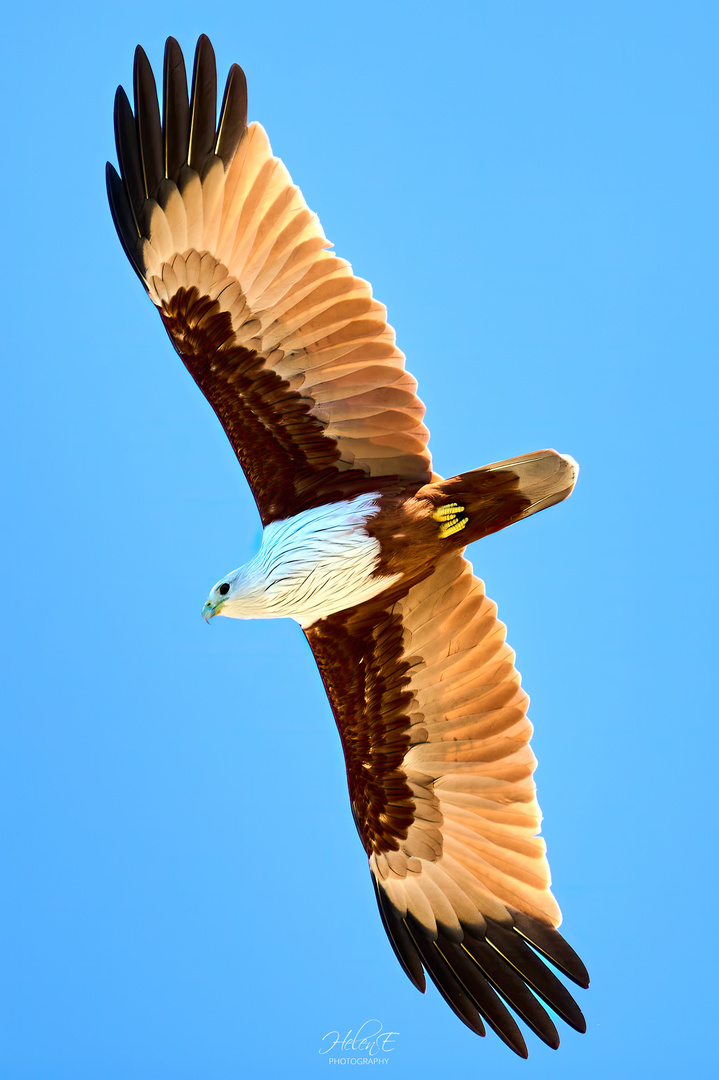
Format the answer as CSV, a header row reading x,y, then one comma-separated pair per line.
x,y
297,360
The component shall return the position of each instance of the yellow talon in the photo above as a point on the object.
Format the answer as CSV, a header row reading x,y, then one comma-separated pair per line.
x,y
449,519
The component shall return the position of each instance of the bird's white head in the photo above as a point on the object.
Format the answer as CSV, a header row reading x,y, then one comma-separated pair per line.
x,y
241,594
219,595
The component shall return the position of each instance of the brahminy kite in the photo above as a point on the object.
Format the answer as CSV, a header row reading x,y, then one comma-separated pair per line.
x,y
362,543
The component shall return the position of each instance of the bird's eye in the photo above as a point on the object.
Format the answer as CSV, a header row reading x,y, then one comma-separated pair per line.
x,y
224,589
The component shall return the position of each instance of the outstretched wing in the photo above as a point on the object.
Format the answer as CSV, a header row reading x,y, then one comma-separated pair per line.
x,y
289,348
433,723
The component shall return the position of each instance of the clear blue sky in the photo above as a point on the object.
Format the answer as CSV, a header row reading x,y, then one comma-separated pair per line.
x,y
532,190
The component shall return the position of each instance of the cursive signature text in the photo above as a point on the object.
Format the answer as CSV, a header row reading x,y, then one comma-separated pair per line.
x,y
370,1039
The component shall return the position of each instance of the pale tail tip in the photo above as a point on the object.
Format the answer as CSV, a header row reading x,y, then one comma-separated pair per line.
x,y
571,462
573,465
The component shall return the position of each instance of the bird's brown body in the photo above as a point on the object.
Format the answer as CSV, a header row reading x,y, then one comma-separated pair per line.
x,y
409,522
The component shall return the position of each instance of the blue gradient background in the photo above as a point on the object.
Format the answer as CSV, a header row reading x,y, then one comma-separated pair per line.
x,y
532,190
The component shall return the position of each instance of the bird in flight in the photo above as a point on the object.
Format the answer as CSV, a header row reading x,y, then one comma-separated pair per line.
x,y
362,542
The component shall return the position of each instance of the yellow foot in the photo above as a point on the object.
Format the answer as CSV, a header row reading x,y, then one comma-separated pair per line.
x,y
450,519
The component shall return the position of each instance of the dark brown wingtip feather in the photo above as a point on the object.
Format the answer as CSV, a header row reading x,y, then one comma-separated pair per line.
x,y
510,945
443,978
149,128
400,939
471,1003
474,960
203,105
550,943
128,155
175,110
470,975
123,217
233,115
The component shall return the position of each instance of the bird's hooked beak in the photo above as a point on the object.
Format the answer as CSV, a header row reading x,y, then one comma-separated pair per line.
x,y
212,608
